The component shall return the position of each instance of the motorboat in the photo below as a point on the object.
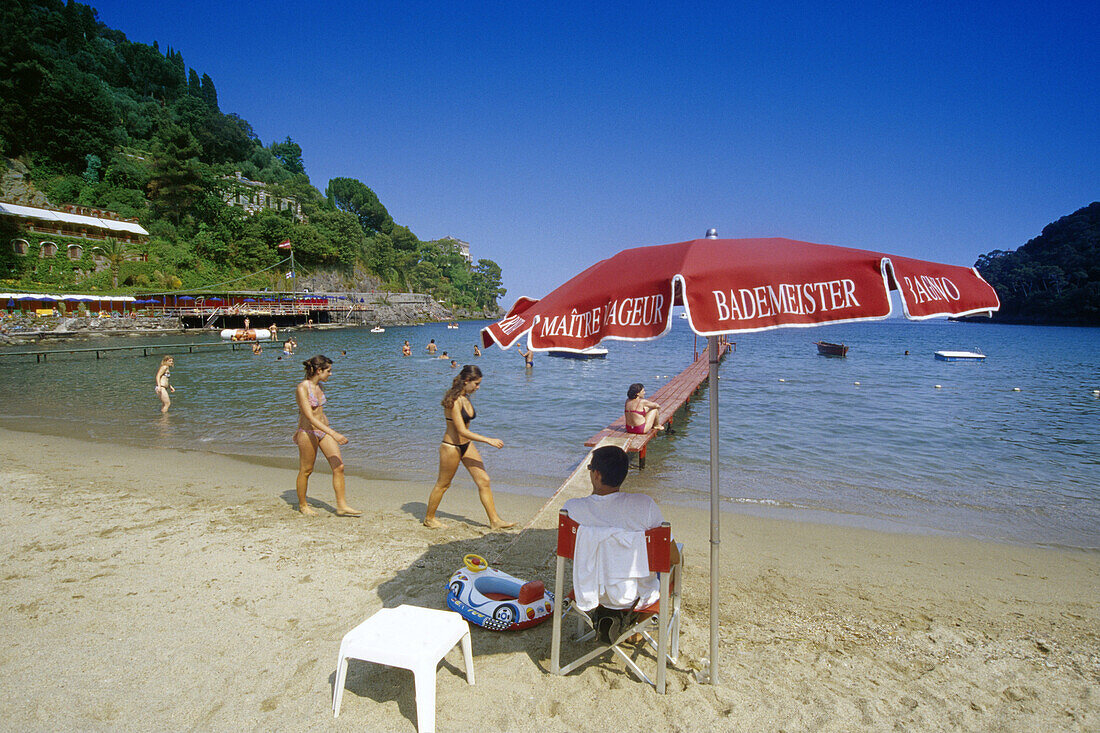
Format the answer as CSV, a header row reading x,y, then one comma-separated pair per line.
x,y
378,329
827,349
960,355
592,352
242,334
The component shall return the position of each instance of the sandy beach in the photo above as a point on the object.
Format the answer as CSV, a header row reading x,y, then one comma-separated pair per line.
x,y
160,590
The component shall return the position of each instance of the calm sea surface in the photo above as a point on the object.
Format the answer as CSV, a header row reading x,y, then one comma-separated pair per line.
x,y
799,436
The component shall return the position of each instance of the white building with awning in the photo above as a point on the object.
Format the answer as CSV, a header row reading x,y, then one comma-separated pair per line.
x,y
80,222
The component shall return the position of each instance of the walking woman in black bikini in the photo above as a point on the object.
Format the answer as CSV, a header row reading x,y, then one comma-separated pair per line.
x,y
458,447
315,433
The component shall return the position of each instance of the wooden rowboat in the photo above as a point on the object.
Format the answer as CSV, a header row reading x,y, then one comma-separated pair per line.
x,y
826,349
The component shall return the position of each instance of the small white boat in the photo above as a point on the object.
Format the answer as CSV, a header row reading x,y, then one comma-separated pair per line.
x,y
592,352
683,316
960,355
378,329
251,334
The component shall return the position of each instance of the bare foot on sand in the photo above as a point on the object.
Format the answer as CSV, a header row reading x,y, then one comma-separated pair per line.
x,y
348,512
501,525
304,509
434,523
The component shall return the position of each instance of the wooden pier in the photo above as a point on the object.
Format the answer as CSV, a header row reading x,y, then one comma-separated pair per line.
x,y
673,395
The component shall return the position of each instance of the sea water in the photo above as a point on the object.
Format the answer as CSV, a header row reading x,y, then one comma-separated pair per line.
x,y
1005,449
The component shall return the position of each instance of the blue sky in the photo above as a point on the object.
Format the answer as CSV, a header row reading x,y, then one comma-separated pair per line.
x,y
551,137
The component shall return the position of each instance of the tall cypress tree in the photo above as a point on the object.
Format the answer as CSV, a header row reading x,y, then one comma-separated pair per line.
x,y
176,182
208,93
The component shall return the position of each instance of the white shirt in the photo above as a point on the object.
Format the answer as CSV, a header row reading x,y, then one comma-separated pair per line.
x,y
610,565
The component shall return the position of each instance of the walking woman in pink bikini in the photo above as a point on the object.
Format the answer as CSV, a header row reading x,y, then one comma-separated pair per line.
x,y
315,433
642,415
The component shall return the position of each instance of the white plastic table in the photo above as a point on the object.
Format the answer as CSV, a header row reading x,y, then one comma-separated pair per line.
x,y
412,638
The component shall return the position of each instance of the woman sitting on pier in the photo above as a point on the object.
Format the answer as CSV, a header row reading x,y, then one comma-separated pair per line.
x,y
642,415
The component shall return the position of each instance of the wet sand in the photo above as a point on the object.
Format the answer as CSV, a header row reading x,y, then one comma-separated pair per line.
x,y
149,589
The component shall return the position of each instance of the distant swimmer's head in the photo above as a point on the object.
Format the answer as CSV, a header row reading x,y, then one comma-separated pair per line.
x,y
316,364
634,390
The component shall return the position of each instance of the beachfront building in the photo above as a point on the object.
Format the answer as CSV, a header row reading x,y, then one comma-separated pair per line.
x,y
253,196
68,223
463,247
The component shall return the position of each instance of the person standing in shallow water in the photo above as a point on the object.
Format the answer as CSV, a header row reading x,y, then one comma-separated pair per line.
x,y
458,447
314,433
161,387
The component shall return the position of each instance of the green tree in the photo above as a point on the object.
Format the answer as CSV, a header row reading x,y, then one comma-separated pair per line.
x,y
115,253
354,197
194,88
1053,278
342,230
176,182
289,154
167,281
487,284
208,93
92,167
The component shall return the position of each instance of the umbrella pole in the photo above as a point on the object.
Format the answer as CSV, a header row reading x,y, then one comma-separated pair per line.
x,y
715,536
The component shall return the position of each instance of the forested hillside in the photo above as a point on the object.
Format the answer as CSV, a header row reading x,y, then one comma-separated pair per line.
x,y
105,122
1054,278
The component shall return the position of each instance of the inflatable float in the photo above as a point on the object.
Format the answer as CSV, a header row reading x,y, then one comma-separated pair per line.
x,y
252,334
496,600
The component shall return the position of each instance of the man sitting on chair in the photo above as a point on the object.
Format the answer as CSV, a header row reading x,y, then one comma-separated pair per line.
x,y
608,508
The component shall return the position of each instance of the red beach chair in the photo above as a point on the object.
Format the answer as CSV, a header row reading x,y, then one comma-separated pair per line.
x,y
665,618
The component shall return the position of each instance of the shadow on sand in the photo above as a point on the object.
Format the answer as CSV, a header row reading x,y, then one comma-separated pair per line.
x,y
424,583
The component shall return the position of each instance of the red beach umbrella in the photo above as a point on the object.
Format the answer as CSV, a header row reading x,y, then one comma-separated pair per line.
x,y
731,286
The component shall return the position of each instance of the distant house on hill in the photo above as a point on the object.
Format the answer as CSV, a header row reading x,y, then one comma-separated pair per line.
x,y
79,222
253,196
463,247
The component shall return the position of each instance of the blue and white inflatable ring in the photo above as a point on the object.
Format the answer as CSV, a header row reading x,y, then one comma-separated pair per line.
x,y
496,600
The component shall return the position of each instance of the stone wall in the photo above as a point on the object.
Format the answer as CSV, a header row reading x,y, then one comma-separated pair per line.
x,y
23,329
